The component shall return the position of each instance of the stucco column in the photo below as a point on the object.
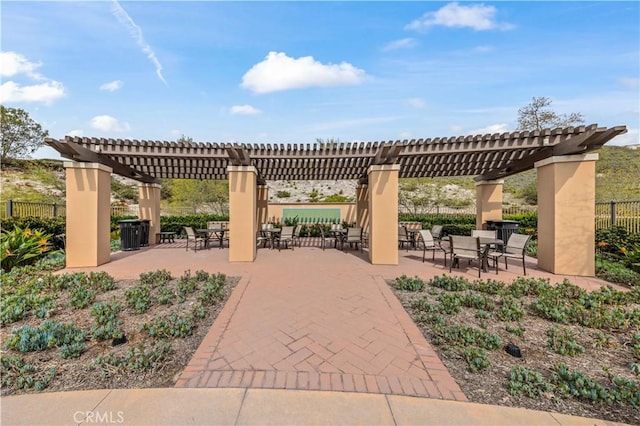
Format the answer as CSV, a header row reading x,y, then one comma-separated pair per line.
x,y
149,207
566,214
262,203
383,214
488,201
243,216
88,214
362,206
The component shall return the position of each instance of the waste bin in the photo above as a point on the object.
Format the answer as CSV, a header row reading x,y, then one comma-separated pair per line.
x,y
503,228
130,233
144,232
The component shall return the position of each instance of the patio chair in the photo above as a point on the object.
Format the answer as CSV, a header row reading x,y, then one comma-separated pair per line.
x,y
191,236
403,237
428,243
296,235
285,236
354,236
437,231
515,249
215,236
325,238
464,247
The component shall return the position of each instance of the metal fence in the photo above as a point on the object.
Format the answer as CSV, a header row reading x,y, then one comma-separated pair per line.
x,y
22,209
619,213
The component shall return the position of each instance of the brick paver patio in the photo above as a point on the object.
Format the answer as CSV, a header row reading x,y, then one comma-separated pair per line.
x,y
313,319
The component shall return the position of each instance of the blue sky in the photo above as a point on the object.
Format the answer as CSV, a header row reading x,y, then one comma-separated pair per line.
x,y
292,72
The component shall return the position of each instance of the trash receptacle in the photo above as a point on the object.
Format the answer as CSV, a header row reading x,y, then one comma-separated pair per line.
x,y
130,234
503,228
144,232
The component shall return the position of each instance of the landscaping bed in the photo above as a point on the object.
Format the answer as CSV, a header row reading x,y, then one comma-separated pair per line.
x,y
580,352
87,331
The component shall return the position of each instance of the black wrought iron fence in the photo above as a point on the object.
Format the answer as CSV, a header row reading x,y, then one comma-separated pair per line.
x,y
23,208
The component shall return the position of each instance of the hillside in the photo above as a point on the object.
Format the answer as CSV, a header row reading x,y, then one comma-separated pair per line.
x,y
618,178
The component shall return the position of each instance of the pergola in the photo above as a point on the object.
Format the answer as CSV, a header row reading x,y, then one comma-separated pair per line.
x,y
563,158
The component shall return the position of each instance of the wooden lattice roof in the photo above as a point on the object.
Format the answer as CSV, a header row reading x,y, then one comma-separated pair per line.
x,y
489,156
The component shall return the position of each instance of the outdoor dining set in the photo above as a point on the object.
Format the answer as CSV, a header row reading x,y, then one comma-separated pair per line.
x,y
482,246
275,236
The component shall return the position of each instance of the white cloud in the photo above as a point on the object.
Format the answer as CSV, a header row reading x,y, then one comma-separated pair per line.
x,y
280,72
478,16
406,135
632,137
112,86
483,49
12,63
417,102
244,110
457,129
44,92
106,123
404,43
136,32
629,82
76,132
494,128
175,132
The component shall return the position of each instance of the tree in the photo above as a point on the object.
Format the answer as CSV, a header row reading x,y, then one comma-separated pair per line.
x,y
21,135
537,116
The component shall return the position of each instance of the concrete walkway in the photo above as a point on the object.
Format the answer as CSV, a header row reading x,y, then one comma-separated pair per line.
x,y
237,406
300,321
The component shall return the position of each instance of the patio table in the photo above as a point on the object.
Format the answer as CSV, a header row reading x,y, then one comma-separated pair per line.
x,y
209,232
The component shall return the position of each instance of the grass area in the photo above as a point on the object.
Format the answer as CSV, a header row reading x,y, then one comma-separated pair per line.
x,y
89,331
533,344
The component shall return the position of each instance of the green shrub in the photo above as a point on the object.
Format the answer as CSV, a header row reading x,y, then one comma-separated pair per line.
x,y
405,283
518,330
16,307
450,283
49,334
137,358
54,226
165,295
172,325
81,296
616,272
187,284
462,335
16,374
283,194
102,281
528,382
155,278
139,298
476,359
510,310
20,247
213,290
563,341
107,324
450,302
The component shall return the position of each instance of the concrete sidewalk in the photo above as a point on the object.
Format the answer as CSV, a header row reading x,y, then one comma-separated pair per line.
x,y
238,406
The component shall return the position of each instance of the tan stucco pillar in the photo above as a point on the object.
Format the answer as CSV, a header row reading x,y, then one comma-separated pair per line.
x,y
88,214
362,206
488,201
262,203
243,218
383,214
566,214
149,207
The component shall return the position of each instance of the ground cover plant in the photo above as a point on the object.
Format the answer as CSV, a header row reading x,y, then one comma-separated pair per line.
x,y
530,343
87,331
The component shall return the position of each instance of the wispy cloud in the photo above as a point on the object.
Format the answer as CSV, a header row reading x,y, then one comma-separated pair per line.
x,y
107,123
632,137
112,86
280,72
453,15
244,110
629,82
45,91
491,129
136,32
418,103
75,132
403,43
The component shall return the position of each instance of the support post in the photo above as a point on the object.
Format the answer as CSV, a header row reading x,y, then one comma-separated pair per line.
x,y
243,217
383,214
362,206
566,214
262,203
88,214
149,207
488,201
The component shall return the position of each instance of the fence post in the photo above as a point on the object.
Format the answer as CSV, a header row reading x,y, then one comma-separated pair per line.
x,y
9,208
55,210
612,210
